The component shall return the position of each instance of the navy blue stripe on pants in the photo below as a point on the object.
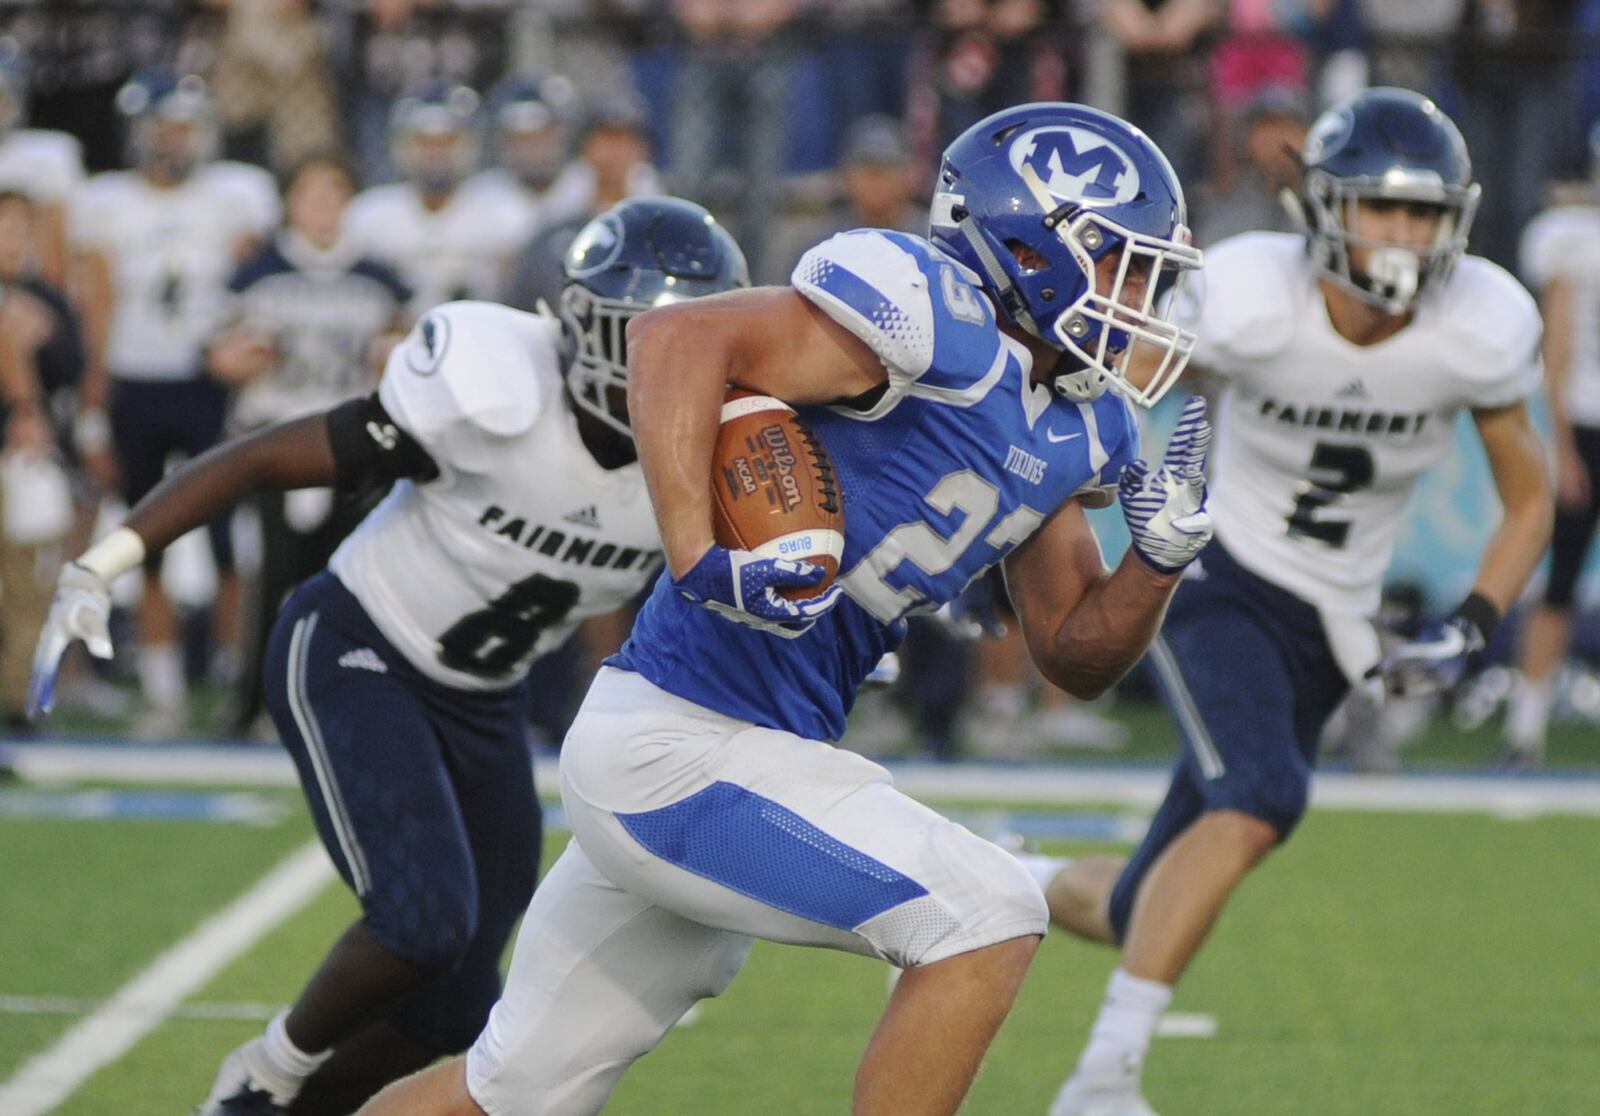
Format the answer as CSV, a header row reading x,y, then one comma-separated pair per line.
x,y
422,794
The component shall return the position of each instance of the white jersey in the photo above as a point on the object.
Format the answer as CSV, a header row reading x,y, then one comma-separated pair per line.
x,y
570,197
171,253
1565,242
522,535
1319,441
46,166
458,251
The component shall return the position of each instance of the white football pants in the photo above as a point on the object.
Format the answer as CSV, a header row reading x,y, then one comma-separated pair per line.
x,y
693,833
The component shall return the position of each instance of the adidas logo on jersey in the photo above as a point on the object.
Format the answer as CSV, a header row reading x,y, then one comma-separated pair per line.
x,y
1355,389
364,658
584,517
564,547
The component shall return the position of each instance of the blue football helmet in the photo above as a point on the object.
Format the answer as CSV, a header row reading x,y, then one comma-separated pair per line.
x,y
1395,145
434,136
531,119
1032,199
171,124
640,253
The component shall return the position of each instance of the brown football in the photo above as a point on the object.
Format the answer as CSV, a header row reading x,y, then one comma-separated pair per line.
x,y
773,489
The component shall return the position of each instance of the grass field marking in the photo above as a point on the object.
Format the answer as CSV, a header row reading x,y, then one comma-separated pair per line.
x,y
71,1005
1186,1024
154,993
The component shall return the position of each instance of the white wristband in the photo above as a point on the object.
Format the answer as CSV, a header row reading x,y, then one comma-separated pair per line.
x,y
113,555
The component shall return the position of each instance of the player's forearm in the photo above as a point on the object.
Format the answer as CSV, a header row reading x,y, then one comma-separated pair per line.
x,y
295,454
1514,550
675,391
1108,630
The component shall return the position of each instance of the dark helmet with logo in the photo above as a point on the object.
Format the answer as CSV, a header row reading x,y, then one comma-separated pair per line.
x,y
639,254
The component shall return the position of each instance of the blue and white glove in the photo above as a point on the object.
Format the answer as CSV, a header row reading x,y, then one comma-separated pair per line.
x,y
743,586
81,609
1437,659
1165,509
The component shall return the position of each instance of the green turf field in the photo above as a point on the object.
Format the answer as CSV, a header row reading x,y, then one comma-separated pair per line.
x,y
1385,963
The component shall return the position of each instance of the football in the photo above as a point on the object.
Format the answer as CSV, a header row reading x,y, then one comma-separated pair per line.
x,y
773,489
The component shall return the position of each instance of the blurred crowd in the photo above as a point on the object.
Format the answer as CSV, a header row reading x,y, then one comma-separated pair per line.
x,y
218,214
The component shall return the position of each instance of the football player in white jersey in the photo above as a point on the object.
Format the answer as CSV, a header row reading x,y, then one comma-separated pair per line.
x,y
47,166
1345,357
158,244
448,243
396,677
1561,257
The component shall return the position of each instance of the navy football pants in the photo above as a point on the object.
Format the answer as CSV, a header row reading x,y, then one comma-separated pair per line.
x,y
1246,670
421,793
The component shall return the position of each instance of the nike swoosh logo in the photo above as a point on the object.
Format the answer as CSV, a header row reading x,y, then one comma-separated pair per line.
x,y
1054,437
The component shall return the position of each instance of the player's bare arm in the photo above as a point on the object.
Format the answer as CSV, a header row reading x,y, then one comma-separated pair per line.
x,y
1517,462
1557,305
1085,625
682,358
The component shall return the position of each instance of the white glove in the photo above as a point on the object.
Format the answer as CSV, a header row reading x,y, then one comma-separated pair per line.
x,y
1165,509
81,609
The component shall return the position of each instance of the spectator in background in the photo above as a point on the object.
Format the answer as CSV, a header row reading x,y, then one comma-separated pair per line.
x,y
1515,73
986,55
307,319
158,244
274,90
613,163
1270,132
1561,261
867,54
445,244
45,165
734,74
1165,73
878,190
41,358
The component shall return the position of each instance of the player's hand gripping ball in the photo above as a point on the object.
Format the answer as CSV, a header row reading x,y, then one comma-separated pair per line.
x,y
777,519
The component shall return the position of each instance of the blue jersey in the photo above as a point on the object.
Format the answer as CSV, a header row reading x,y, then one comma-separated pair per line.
x,y
959,461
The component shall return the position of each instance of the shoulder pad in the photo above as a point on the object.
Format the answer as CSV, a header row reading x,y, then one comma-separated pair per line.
x,y
1245,301
93,206
474,363
250,193
921,312
1561,241
54,162
1490,330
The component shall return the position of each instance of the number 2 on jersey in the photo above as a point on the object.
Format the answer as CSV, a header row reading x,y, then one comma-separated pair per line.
x,y
1336,471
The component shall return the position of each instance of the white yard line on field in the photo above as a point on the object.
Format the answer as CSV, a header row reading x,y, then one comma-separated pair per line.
x,y
155,993
1186,1024
70,1005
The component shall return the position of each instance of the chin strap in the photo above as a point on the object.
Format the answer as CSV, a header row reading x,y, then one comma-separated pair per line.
x,y
1010,298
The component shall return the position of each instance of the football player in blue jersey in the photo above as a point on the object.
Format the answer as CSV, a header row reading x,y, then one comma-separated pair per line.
x,y
1347,355
959,384
397,676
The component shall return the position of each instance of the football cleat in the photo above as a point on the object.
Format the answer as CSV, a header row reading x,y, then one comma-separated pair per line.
x,y
1082,1097
238,1091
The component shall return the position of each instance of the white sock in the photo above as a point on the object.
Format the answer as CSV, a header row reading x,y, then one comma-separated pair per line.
x,y
1528,712
1043,868
1121,1034
161,675
280,1065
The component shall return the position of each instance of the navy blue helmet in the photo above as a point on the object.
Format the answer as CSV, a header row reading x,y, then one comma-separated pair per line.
x,y
434,137
171,124
531,120
640,253
1394,145
1032,199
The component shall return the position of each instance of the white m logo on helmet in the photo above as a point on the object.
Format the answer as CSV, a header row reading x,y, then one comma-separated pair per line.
x,y
1076,165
